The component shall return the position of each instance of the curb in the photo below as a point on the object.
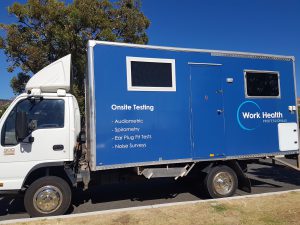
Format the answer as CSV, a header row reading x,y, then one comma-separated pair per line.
x,y
144,207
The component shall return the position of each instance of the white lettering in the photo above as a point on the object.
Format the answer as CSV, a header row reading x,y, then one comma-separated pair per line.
x,y
263,115
275,115
248,115
122,129
128,121
125,107
121,107
144,107
122,146
137,145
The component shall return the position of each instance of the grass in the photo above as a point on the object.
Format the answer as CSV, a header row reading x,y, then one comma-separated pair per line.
x,y
219,208
281,209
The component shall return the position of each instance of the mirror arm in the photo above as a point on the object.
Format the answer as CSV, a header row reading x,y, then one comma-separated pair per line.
x,y
30,140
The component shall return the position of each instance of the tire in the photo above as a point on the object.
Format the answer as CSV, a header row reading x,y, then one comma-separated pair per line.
x,y
48,196
220,182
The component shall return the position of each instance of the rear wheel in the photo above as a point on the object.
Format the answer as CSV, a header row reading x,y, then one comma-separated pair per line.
x,y
47,196
221,181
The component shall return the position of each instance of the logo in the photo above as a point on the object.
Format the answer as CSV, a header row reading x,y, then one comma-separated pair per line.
x,y
9,151
246,113
250,116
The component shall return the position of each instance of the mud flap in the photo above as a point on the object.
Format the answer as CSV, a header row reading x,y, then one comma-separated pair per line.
x,y
244,181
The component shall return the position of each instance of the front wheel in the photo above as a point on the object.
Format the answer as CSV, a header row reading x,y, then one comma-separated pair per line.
x,y
47,196
221,181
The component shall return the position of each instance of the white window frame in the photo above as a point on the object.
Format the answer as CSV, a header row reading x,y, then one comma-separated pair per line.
x,y
129,59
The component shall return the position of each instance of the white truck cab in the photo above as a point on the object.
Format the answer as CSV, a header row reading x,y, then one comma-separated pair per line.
x,y
39,131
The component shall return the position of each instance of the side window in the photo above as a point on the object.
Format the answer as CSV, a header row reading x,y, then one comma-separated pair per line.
x,y
262,84
150,74
44,113
8,133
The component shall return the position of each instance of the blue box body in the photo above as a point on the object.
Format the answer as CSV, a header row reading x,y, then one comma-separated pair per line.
x,y
201,120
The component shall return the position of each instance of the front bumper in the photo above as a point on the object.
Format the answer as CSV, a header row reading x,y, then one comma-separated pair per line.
x,y
5,193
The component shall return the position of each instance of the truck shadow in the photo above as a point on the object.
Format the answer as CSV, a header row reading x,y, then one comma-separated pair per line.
x,y
276,176
128,194
147,191
11,205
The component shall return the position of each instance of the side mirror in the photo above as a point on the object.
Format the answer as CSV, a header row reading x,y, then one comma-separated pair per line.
x,y
22,130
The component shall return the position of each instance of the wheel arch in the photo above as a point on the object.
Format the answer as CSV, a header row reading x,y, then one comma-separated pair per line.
x,y
49,169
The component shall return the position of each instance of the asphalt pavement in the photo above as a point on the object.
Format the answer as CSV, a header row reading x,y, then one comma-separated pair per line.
x,y
264,178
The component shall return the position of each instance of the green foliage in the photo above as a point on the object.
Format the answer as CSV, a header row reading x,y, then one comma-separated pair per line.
x,y
50,29
2,109
18,82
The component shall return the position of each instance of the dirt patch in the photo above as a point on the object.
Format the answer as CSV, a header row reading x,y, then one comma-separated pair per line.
x,y
270,210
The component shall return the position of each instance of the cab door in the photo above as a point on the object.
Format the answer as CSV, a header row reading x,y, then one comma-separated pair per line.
x,y
48,120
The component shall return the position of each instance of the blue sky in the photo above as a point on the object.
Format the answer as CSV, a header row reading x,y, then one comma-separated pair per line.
x,y
263,26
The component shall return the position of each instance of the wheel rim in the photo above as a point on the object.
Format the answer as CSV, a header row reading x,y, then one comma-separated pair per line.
x,y
223,183
47,199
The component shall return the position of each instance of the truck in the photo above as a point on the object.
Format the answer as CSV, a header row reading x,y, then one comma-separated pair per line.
x,y
150,112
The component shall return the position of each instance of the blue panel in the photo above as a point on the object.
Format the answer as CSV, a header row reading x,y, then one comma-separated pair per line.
x,y
244,135
152,126
166,129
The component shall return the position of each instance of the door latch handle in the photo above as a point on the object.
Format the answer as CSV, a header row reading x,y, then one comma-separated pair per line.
x,y
220,91
58,147
219,111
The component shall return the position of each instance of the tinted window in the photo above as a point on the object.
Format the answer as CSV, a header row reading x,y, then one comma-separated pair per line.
x,y
262,84
8,134
41,114
151,74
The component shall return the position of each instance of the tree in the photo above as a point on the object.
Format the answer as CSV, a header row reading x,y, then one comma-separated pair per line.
x,y
18,82
47,30
3,109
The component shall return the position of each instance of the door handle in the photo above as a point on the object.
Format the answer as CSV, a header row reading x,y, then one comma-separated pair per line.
x,y
219,111
220,91
58,147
